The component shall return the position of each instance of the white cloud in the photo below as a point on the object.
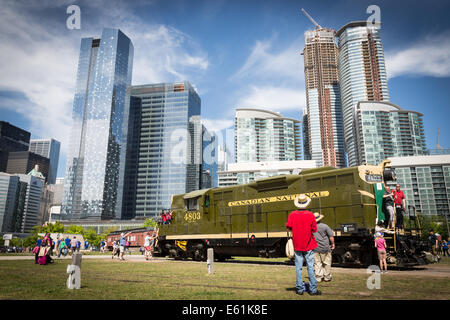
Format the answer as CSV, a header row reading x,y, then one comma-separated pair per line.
x,y
264,63
272,79
428,57
274,98
40,59
41,65
164,54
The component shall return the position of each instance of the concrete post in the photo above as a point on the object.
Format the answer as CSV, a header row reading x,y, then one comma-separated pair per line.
x,y
74,271
210,261
76,259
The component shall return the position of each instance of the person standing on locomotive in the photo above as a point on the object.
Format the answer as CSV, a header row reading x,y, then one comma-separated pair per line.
x,y
388,207
303,225
400,205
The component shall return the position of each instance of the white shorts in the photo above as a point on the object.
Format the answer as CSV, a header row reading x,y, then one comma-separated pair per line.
x,y
122,248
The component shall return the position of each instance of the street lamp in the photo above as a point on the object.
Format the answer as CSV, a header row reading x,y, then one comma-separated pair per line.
x,y
445,215
448,230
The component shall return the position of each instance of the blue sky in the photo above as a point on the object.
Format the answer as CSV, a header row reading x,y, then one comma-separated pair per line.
x,y
236,53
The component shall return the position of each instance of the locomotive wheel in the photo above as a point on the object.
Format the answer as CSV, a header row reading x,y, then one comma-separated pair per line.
x,y
199,255
337,259
221,258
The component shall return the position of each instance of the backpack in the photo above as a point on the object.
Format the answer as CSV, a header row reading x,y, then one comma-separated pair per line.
x,y
127,244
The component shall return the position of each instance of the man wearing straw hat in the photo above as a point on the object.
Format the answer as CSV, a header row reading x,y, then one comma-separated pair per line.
x,y
303,224
322,254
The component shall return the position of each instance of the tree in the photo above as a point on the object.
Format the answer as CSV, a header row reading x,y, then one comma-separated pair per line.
x,y
36,230
105,233
73,229
150,223
435,223
56,227
16,242
92,237
30,241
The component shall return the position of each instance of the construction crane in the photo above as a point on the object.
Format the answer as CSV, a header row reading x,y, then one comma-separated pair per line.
x,y
312,20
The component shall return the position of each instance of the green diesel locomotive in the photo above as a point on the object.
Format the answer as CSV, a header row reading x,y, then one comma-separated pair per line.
x,y
249,220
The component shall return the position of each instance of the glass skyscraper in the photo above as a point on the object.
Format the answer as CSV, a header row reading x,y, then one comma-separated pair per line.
x,y
20,200
262,135
48,148
8,200
92,170
210,160
362,74
425,181
383,129
12,139
164,148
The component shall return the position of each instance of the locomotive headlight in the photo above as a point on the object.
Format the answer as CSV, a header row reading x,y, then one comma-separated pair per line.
x,y
389,174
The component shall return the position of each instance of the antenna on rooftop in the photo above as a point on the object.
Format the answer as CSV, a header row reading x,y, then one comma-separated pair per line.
x,y
312,20
437,142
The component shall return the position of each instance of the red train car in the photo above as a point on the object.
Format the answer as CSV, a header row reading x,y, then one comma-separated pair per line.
x,y
135,237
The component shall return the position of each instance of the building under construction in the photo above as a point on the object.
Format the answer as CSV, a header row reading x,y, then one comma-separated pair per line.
x,y
323,131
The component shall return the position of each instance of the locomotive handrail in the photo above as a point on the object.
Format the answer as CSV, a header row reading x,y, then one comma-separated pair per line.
x,y
294,209
308,209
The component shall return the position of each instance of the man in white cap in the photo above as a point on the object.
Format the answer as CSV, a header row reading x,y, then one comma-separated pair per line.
x,y
322,254
303,224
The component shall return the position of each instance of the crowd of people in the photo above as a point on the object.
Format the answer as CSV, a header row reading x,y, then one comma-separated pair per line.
x,y
313,241
394,205
46,247
165,217
438,246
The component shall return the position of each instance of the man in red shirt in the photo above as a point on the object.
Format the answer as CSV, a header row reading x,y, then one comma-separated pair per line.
x,y
400,205
303,224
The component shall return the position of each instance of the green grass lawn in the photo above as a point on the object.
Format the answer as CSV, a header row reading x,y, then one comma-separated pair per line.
x,y
162,279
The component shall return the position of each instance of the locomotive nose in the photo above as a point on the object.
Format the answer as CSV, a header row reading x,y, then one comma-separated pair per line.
x,y
389,174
